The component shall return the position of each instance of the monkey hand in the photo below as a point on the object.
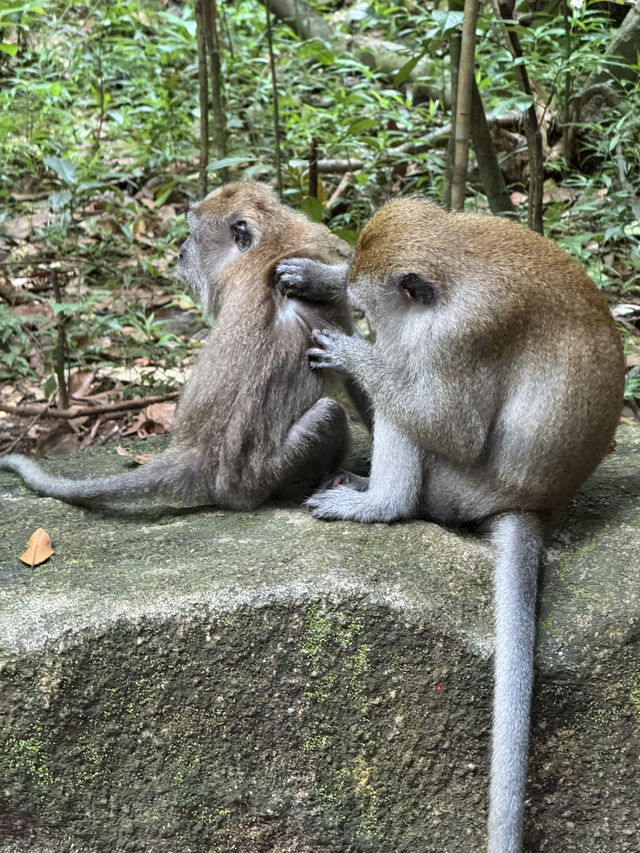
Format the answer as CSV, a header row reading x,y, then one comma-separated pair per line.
x,y
303,278
336,351
292,275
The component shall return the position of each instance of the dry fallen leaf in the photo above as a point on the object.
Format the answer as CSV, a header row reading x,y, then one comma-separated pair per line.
x,y
80,382
38,548
140,458
155,419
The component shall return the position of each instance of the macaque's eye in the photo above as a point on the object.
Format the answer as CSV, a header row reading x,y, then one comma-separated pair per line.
x,y
416,288
241,234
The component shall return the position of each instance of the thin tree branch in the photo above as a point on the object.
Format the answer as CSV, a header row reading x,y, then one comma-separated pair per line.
x,y
22,434
313,168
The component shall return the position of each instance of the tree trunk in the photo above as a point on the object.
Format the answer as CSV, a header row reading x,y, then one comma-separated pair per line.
x,y
210,8
466,74
504,13
276,113
625,45
454,60
491,176
203,91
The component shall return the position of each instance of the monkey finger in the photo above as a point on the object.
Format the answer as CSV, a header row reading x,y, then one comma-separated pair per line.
x,y
288,276
321,361
314,354
325,337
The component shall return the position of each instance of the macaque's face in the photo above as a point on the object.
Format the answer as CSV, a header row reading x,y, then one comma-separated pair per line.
x,y
212,244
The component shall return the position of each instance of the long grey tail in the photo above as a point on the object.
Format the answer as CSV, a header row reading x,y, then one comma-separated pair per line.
x,y
519,541
161,476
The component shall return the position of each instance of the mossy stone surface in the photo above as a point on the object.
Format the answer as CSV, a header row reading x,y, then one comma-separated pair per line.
x,y
217,681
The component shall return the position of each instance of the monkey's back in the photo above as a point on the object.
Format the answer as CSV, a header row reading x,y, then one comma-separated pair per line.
x,y
252,382
566,367
540,371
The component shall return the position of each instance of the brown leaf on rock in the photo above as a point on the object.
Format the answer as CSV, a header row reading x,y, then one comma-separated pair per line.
x,y
140,458
162,413
38,548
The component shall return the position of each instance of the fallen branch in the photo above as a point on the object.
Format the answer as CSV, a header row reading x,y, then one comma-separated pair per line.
x,y
87,411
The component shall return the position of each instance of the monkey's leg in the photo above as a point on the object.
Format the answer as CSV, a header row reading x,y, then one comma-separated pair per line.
x,y
519,543
361,401
312,280
315,444
395,485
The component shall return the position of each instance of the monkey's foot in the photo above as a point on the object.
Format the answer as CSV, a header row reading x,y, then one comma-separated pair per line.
x,y
345,503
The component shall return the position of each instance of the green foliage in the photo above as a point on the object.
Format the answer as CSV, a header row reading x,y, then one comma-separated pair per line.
x,y
99,100
14,344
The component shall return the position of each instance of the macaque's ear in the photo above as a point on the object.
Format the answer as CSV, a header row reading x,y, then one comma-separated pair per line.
x,y
241,234
416,288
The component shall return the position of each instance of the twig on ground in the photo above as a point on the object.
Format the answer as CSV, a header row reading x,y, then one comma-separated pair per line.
x,y
87,411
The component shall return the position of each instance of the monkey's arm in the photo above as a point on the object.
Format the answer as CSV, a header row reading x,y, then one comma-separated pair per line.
x,y
427,400
312,280
395,484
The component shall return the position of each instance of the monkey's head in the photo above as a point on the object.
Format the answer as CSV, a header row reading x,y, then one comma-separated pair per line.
x,y
391,274
227,225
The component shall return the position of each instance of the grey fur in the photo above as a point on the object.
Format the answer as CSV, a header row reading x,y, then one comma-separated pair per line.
x,y
496,380
252,416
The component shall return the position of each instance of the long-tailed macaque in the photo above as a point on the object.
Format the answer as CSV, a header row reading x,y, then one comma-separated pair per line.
x,y
496,380
252,416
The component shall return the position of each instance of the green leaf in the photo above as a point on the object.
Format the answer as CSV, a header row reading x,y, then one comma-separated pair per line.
x,y
64,169
225,162
612,231
11,49
347,235
59,200
361,124
447,21
313,208
50,386
404,73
